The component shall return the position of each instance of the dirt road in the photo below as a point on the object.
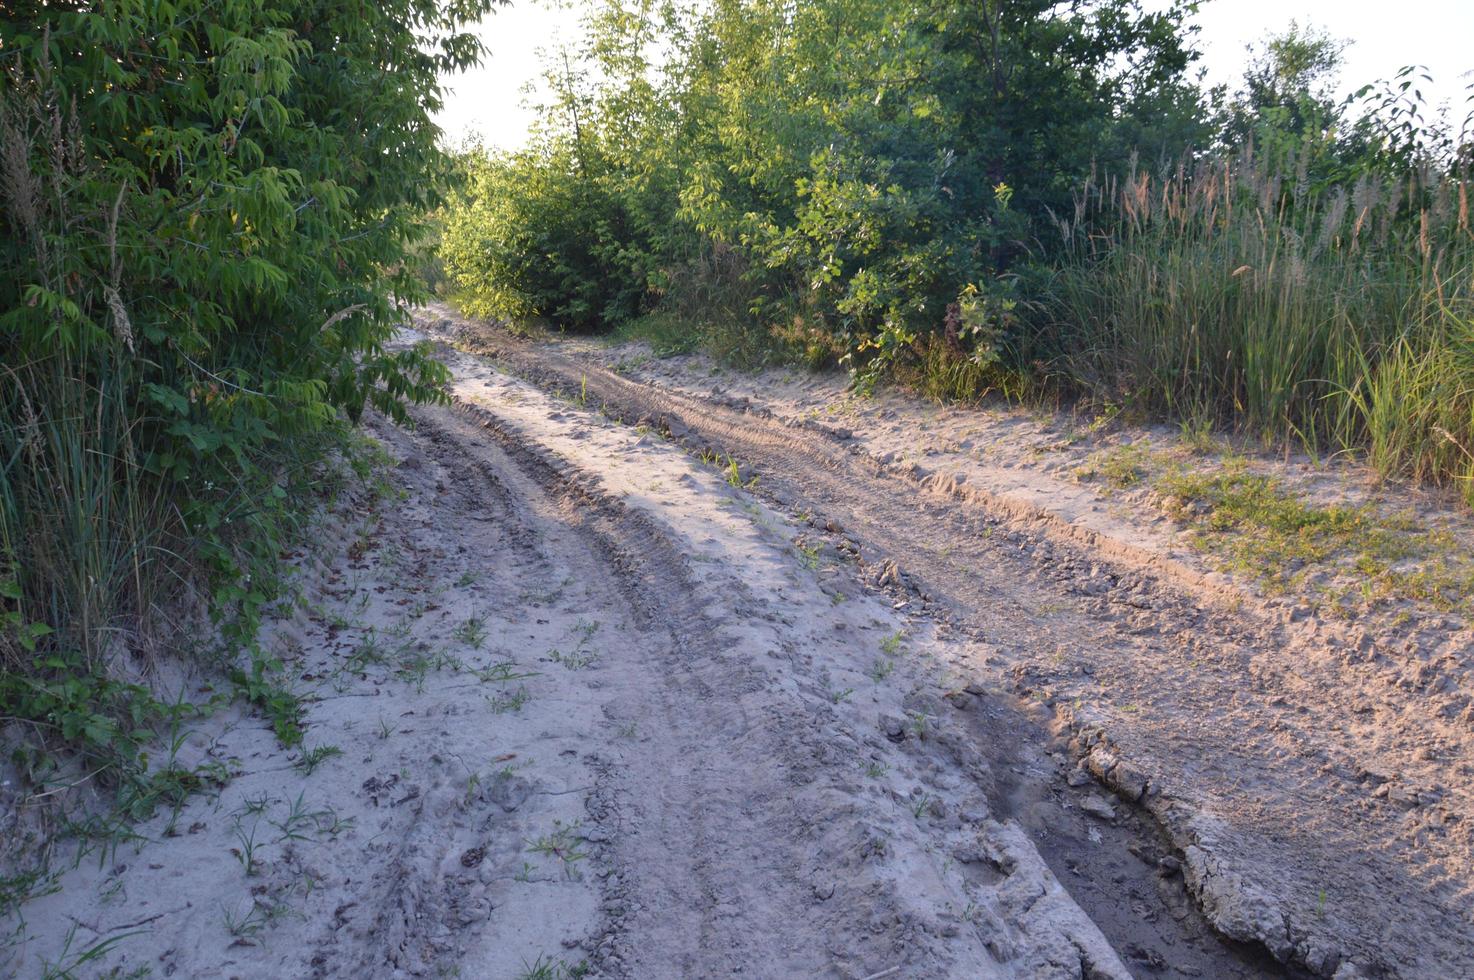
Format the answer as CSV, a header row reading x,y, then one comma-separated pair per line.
x,y
1218,716
583,704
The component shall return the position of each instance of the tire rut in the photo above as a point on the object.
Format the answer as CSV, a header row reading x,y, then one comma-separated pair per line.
x,y
1222,739
733,784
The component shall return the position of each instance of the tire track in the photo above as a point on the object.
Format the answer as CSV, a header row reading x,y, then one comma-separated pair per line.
x,y
1229,742
717,861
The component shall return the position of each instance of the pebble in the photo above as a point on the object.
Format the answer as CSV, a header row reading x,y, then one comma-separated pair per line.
x,y
1098,807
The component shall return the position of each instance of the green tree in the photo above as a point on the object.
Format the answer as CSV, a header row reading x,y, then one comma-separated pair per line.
x,y
867,163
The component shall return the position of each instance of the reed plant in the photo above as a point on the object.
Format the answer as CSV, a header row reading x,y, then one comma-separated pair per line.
x,y
87,527
1333,313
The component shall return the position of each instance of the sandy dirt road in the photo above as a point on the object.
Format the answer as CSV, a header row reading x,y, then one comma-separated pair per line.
x,y
578,706
582,704
1220,717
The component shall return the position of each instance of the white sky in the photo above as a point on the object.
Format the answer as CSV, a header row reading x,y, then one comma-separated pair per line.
x,y
490,100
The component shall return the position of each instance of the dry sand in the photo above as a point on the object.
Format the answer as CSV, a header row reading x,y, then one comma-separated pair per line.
x,y
879,703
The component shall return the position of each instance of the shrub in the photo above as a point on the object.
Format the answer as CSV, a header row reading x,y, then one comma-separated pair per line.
x,y
859,159
207,208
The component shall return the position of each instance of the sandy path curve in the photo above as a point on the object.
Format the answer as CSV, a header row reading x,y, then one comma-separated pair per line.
x,y
1221,721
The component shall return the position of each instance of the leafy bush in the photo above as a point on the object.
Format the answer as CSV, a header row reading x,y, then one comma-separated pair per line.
x,y
865,163
529,236
207,208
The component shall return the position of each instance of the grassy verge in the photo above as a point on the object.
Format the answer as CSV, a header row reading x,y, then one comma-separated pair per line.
x,y
93,731
1343,556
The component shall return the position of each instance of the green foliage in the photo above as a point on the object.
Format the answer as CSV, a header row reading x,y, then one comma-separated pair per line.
x,y
529,236
1221,290
1013,196
107,721
262,686
1285,105
840,172
207,219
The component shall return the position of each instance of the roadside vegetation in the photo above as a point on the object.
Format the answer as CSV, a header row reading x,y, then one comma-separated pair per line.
x,y
203,249
1020,197
1344,556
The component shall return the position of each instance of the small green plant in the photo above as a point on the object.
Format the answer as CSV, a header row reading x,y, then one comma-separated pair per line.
x,y
296,822
310,759
838,697
562,845
330,822
263,687
546,968
472,632
877,770
417,670
502,673
245,853
1122,467
256,805
891,645
1104,418
302,823
881,669
68,964
244,924
731,469
473,786
509,703
1197,435
369,652
577,660
21,888
920,804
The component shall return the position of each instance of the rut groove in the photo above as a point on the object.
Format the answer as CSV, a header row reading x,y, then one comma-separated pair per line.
x,y
747,796
641,571
1212,719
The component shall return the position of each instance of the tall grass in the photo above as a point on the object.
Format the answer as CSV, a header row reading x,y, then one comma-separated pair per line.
x,y
78,518
77,515
1337,314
